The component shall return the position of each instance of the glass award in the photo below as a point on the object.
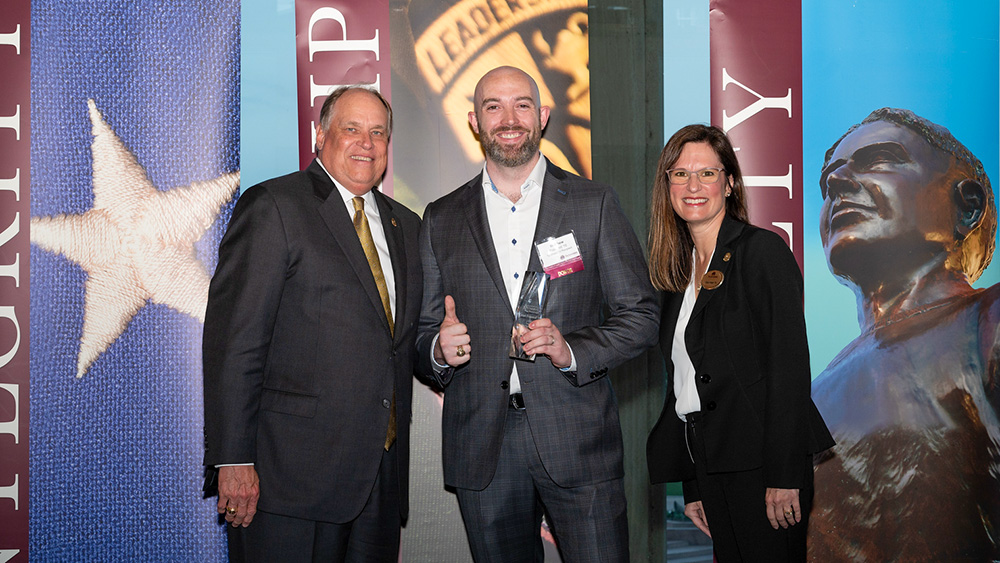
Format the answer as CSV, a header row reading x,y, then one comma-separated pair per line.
x,y
529,308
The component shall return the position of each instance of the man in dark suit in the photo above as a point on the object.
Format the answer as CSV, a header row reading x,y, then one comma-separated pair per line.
x,y
523,437
309,351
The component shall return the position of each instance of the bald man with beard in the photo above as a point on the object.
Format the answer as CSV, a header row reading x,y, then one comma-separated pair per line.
x,y
520,437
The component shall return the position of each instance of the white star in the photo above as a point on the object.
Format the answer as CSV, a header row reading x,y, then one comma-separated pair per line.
x,y
136,244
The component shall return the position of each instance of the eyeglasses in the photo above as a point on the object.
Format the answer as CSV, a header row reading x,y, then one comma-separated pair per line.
x,y
681,177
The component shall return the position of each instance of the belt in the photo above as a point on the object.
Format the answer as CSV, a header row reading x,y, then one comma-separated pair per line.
x,y
516,401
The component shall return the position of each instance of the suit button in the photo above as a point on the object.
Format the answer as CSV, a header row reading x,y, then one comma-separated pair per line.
x,y
386,403
710,406
504,385
705,378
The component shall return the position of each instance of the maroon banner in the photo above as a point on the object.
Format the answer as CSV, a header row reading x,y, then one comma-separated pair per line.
x,y
15,104
756,66
337,43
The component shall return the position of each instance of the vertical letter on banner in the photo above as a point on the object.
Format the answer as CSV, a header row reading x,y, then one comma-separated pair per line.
x,y
757,99
338,42
15,110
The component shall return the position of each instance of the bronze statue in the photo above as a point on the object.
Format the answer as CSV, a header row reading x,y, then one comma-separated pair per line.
x,y
908,222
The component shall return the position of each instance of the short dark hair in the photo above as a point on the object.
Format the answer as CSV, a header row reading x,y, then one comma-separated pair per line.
x,y
978,246
326,111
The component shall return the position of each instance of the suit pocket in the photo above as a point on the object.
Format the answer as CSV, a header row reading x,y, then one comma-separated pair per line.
x,y
288,403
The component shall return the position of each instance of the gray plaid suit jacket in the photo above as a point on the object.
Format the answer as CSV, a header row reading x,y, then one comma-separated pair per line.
x,y
607,312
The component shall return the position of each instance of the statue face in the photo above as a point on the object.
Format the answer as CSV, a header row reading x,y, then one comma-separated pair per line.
x,y
888,192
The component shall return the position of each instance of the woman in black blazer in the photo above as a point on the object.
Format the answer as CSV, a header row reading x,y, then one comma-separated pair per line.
x,y
738,427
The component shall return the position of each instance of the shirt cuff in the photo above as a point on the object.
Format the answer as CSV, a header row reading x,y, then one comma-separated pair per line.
x,y
572,361
438,368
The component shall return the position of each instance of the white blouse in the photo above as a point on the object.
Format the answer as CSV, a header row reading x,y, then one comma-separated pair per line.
x,y
685,388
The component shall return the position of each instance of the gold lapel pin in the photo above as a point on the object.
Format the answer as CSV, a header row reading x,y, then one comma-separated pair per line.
x,y
727,257
393,221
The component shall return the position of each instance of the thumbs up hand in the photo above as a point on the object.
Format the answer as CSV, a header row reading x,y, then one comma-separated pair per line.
x,y
452,346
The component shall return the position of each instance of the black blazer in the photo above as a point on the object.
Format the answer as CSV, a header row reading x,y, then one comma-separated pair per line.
x,y
299,362
747,341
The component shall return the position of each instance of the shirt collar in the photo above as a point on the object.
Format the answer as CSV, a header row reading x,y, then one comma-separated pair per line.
x,y
535,178
347,196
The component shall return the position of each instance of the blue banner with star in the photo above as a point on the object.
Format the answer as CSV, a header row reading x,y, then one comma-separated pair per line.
x,y
134,165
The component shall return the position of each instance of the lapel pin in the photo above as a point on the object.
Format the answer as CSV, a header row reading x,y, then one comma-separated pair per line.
x,y
393,221
727,257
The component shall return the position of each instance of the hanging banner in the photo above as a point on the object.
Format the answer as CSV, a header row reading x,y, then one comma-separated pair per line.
x,y
15,174
339,43
756,65
902,292
134,165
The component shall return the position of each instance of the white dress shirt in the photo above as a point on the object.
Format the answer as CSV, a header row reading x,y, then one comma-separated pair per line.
x,y
513,228
685,386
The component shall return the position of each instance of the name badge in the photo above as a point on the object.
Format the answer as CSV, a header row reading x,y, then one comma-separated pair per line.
x,y
712,279
560,256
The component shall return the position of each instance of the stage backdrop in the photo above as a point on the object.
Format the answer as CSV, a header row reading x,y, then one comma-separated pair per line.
x,y
135,122
15,175
911,398
134,160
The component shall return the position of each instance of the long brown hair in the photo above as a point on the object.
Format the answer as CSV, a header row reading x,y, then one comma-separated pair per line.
x,y
670,243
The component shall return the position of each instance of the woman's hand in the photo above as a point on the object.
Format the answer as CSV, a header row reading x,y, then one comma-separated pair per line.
x,y
782,507
696,512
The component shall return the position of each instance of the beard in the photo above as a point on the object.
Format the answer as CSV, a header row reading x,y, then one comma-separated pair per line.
x,y
511,157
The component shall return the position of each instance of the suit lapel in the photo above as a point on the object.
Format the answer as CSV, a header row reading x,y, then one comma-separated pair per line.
x,y
338,220
550,213
671,305
479,225
672,302
394,238
721,261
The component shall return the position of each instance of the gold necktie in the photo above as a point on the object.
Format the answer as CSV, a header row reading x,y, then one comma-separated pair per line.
x,y
368,244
